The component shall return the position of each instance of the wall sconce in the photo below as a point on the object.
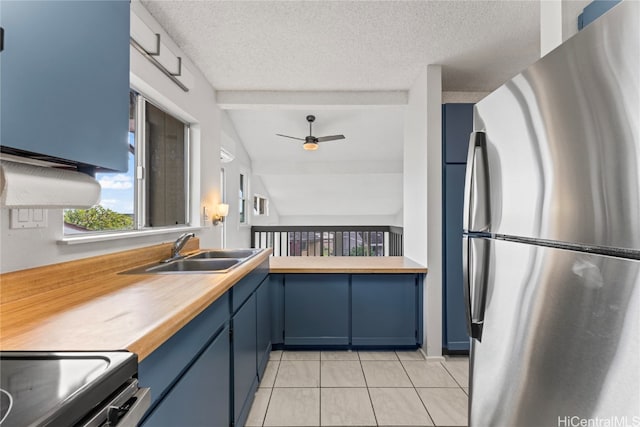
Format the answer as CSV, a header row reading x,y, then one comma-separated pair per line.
x,y
221,211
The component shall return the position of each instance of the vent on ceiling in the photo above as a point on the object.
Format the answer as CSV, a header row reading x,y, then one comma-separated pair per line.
x,y
225,156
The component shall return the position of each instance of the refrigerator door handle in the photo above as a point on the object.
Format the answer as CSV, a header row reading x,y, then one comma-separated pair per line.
x,y
476,215
475,268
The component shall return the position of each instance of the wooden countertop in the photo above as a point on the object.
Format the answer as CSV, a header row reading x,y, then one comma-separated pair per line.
x,y
86,305
350,264
104,310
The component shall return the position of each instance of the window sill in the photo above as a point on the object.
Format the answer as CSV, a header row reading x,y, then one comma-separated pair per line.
x,y
92,238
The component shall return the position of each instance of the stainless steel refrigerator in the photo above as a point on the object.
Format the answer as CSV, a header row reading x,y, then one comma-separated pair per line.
x,y
551,240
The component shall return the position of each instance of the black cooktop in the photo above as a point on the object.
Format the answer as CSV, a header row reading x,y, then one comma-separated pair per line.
x,y
58,388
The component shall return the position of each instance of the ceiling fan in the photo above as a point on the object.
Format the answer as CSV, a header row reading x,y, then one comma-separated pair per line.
x,y
311,142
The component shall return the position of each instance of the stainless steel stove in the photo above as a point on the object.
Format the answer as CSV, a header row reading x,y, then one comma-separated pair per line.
x,y
93,389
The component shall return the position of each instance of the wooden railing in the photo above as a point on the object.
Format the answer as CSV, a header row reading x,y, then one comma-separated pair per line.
x,y
328,240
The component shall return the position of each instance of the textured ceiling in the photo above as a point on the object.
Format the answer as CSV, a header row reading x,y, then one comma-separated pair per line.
x,y
339,46
352,45
360,175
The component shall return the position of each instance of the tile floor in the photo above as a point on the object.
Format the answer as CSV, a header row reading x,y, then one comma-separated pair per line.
x,y
366,388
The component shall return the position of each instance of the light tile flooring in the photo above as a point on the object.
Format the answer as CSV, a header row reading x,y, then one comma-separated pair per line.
x,y
366,388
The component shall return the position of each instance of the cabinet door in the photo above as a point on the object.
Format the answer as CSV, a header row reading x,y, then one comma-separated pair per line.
x,y
316,309
162,367
594,10
64,80
454,328
263,302
201,395
384,309
457,124
276,283
245,372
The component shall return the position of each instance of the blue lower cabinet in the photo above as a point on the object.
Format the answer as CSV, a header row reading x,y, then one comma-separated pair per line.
x,y
263,327
276,285
316,309
201,395
385,310
245,372
164,366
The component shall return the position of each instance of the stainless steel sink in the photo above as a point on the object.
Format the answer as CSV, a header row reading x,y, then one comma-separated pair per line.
x,y
225,253
219,265
206,261
186,265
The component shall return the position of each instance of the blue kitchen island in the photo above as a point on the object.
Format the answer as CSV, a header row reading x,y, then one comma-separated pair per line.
x,y
346,302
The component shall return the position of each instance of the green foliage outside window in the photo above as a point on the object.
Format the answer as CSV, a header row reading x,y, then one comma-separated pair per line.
x,y
98,218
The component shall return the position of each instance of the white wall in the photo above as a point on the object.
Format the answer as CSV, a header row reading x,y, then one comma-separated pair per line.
x,y
423,195
25,248
415,171
273,218
417,191
339,220
237,235
433,284
558,22
453,97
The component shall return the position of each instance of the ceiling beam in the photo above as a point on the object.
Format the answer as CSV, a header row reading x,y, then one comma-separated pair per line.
x,y
302,100
275,167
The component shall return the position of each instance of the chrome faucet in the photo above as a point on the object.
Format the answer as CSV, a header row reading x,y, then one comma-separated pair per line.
x,y
178,245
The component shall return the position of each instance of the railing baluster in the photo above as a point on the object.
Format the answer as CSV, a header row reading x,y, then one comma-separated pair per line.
x,y
329,240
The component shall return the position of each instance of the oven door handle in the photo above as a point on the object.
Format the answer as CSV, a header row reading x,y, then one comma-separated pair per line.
x,y
135,413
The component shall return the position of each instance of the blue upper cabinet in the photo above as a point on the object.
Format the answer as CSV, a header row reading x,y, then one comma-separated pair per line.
x,y
457,121
64,81
457,125
594,10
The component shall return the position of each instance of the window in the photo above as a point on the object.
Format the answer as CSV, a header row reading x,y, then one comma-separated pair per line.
x,y
260,205
155,196
242,207
223,199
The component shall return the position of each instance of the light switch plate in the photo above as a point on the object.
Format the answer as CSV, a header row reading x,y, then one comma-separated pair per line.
x,y
28,218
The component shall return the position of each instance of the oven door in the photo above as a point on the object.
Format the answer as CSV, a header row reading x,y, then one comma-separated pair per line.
x,y
126,409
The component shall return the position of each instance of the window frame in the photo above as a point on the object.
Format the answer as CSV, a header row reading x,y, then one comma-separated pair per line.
x,y
141,167
223,199
258,197
242,198
139,180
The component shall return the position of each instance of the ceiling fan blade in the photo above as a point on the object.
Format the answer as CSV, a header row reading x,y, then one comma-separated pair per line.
x,y
329,138
292,137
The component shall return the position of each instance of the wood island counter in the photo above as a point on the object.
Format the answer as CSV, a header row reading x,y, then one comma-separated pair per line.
x,y
347,264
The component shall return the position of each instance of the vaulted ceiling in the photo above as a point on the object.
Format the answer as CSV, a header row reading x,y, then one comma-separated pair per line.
x,y
337,46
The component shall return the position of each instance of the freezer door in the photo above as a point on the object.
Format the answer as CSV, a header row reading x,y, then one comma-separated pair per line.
x,y
563,140
559,339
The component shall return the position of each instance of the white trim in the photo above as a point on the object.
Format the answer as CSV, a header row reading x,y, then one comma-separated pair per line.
x,y
248,205
101,237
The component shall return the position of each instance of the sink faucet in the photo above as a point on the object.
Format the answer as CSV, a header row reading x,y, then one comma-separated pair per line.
x,y
178,245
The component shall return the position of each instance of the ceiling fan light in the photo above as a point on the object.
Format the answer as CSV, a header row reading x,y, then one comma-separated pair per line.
x,y
311,146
